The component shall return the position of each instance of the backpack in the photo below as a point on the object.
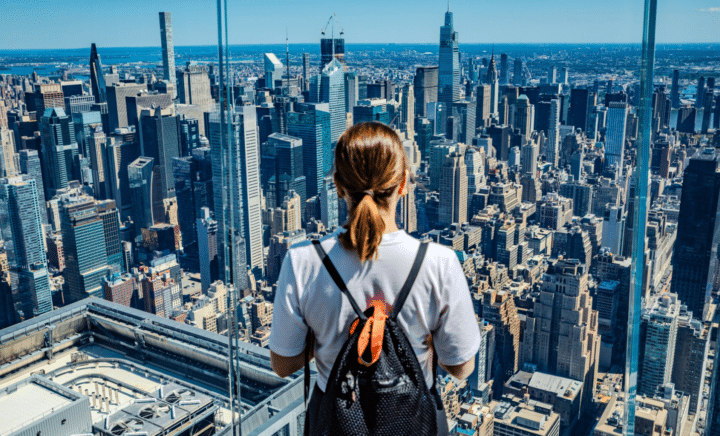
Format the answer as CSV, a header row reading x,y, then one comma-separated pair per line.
x,y
376,386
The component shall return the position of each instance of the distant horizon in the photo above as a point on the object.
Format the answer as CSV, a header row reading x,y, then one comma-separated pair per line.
x,y
431,44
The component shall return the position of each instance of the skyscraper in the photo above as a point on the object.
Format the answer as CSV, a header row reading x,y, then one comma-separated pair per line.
x,y
289,174
311,123
122,150
160,140
273,70
561,337
615,136
22,232
504,71
83,236
30,165
482,113
553,142
111,230
552,74
48,96
448,63
207,237
658,334
675,91
498,309
236,186
524,116
529,158
59,150
329,87
168,48
97,81
7,153
98,162
695,257
143,186
117,105
579,108
492,80
426,88
306,70
700,93
193,86
407,105
453,190
517,71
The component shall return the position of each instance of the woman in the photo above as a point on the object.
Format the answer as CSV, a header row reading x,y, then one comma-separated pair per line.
x,y
373,258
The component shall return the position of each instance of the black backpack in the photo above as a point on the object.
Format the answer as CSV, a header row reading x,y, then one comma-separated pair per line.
x,y
385,395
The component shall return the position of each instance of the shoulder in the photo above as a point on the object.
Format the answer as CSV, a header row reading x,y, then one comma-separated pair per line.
x,y
441,254
304,253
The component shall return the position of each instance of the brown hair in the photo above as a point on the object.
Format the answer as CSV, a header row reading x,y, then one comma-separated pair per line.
x,y
368,156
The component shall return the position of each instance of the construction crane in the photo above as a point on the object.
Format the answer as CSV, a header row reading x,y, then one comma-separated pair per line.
x,y
332,19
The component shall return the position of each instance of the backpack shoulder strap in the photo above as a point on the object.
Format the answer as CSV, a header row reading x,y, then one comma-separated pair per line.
x,y
405,291
337,279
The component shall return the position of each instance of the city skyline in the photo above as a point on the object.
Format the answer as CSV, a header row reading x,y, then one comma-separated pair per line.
x,y
195,25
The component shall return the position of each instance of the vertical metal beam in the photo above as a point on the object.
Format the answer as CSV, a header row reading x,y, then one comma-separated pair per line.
x,y
642,172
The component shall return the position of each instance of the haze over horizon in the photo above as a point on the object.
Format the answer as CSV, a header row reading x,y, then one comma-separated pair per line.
x,y
55,24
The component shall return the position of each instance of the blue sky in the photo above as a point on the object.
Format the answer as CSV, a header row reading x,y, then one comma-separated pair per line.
x,y
28,24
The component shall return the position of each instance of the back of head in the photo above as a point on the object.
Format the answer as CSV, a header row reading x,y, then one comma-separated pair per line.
x,y
370,164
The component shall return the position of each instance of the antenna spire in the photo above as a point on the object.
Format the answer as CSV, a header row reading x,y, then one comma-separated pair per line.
x,y
287,58
448,6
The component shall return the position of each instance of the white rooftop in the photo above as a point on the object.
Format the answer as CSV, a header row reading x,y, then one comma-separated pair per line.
x,y
27,404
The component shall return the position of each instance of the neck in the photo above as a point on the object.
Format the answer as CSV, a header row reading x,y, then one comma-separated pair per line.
x,y
388,216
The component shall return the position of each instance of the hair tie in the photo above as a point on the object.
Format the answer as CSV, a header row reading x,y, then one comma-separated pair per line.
x,y
370,193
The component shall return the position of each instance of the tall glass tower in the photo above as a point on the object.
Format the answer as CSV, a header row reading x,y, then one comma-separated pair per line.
x,y
448,63
311,123
20,227
238,204
97,80
615,137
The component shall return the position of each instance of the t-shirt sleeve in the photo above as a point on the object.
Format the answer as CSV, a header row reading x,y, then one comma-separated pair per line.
x,y
456,338
288,332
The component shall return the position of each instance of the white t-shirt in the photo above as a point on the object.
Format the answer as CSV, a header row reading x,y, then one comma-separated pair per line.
x,y
439,301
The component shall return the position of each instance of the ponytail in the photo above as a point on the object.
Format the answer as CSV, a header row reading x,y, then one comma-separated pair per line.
x,y
370,164
365,228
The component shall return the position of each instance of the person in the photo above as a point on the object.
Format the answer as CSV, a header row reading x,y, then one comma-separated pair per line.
x,y
373,257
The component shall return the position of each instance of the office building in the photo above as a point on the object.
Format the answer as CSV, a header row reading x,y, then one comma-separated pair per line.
x,y
273,70
564,342
658,334
306,70
426,88
615,137
47,96
193,87
85,123
311,123
492,80
207,239
524,116
694,265
475,164
407,111
168,48
482,112
504,72
288,172
439,150
117,104
552,152
59,150
498,310
352,90
529,159
579,111
517,72
242,213
23,235
675,90
144,196
83,235
30,165
97,149
453,190
160,140
690,364
373,109
329,87
8,156
97,81
122,150
193,190
581,195
463,112
448,63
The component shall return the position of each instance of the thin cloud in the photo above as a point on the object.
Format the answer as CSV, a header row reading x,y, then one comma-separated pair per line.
x,y
710,10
